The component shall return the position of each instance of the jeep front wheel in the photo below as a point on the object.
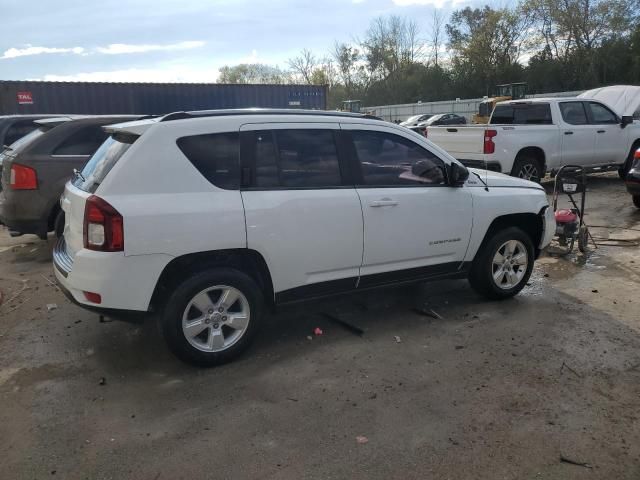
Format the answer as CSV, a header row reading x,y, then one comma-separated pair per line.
x,y
503,265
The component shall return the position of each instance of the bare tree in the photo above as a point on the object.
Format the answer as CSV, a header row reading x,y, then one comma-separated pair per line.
x,y
436,34
304,65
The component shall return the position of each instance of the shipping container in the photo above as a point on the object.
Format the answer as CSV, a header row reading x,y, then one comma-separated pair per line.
x,y
30,97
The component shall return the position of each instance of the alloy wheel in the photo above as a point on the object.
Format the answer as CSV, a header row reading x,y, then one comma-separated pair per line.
x,y
509,264
216,318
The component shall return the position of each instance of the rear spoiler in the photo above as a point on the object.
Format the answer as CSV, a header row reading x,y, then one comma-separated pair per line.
x,y
137,127
52,122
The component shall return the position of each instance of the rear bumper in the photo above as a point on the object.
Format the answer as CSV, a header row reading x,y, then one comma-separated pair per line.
x,y
123,283
14,217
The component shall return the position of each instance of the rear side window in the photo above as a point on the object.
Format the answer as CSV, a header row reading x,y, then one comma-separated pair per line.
x,y
602,115
101,163
18,130
297,158
83,142
531,114
216,156
573,113
391,160
28,138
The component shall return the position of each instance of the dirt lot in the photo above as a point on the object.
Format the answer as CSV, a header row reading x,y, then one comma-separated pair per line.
x,y
489,391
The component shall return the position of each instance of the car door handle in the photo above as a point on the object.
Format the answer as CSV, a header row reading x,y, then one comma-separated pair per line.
x,y
452,130
385,202
601,131
568,132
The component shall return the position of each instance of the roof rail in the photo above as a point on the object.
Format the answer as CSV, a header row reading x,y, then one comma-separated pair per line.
x,y
262,111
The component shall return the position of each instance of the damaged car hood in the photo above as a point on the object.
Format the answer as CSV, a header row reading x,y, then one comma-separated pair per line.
x,y
623,99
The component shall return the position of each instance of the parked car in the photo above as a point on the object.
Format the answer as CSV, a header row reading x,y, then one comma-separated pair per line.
x,y
36,167
210,217
416,119
527,138
444,119
632,180
14,127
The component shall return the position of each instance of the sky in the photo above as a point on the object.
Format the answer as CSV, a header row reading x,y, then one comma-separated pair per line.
x,y
179,40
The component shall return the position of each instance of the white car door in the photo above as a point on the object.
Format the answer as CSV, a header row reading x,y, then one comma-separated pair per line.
x,y
414,226
577,135
301,214
611,140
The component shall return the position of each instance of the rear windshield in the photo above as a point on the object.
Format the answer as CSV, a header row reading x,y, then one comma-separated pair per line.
x,y
514,114
101,163
19,144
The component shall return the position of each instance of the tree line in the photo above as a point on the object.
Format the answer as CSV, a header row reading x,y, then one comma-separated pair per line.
x,y
553,45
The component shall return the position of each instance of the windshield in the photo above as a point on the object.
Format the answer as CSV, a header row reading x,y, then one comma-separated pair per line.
x,y
27,139
101,163
413,119
433,119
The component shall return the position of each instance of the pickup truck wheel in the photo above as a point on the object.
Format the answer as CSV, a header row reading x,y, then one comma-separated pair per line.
x,y
636,200
212,317
527,166
504,264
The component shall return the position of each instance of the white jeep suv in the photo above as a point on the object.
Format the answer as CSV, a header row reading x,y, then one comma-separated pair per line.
x,y
209,217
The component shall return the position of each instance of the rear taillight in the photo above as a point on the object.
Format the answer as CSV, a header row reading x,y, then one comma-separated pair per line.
x,y
103,227
424,132
489,146
22,178
637,154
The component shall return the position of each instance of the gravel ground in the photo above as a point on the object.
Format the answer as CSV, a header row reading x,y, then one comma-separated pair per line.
x,y
489,390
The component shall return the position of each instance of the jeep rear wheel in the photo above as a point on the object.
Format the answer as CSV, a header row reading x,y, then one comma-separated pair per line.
x,y
212,317
503,265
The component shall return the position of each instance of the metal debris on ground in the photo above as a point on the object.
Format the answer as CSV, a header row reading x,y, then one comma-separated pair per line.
x,y
361,439
397,339
428,312
352,328
570,461
103,381
51,306
564,365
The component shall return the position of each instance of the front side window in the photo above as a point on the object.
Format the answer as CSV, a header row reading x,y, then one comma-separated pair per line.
x,y
296,158
216,156
387,159
573,113
602,115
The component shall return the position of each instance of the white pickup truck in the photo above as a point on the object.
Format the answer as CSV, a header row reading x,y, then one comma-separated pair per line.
x,y
527,138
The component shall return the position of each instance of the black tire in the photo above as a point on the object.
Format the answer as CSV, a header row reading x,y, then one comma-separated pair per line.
x,y
58,224
174,309
636,200
527,166
626,166
583,239
481,275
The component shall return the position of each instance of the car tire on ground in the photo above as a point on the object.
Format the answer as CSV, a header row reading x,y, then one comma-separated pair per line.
x,y
636,200
626,166
503,265
212,316
527,166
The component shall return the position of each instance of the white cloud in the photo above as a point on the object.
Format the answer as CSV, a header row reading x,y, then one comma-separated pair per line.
x,y
120,48
163,75
30,50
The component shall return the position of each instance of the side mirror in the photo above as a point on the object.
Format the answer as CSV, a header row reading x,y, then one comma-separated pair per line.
x,y
626,120
458,174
